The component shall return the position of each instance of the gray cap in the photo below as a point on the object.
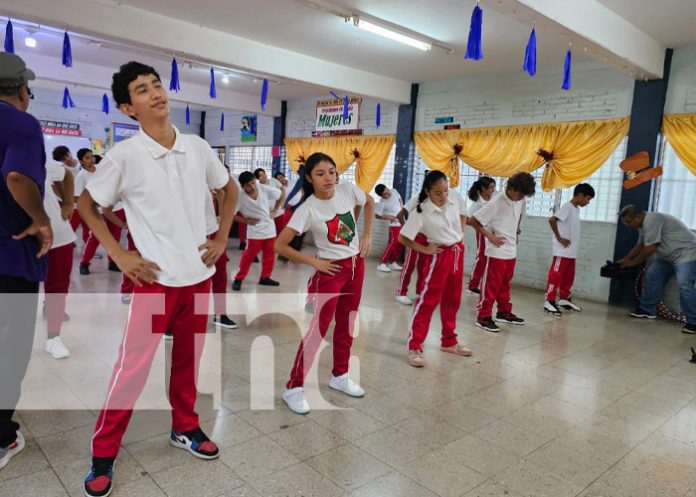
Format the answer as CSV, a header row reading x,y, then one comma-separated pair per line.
x,y
13,70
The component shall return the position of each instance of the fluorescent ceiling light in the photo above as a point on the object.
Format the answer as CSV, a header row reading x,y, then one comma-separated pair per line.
x,y
392,35
225,79
30,41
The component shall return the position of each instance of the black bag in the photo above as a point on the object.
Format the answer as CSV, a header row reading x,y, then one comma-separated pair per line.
x,y
613,270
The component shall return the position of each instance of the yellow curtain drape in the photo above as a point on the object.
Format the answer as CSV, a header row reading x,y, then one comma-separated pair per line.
x,y
372,154
577,149
680,131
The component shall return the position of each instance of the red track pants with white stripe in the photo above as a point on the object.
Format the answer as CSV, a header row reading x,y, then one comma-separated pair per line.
x,y
251,251
561,278
495,287
57,285
479,263
393,248
413,260
444,274
336,296
148,319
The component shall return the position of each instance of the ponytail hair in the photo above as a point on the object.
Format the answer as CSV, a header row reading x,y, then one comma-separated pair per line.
x,y
480,184
428,182
306,171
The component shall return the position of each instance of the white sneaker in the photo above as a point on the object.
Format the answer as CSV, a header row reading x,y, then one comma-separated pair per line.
x,y
295,399
7,453
55,347
395,266
344,384
383,268
403,299
569,305
552,308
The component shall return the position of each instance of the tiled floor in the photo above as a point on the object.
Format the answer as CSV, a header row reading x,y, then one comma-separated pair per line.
x,y
591,405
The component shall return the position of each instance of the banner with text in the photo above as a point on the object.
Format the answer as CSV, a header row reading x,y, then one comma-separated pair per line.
x,y
330,120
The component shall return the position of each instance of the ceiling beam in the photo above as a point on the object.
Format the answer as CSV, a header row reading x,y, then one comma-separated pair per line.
x,y
589,24
113,21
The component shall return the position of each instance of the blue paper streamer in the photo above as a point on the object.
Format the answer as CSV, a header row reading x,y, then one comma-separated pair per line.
x,y
335,95
474,50
174,82
9,38
105,104
188,116
213,91
67,51
530,55
346,113
264,95
566,71
67,99
378,115
222,122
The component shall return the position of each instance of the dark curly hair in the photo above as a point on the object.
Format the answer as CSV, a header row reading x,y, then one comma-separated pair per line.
x,y
523,183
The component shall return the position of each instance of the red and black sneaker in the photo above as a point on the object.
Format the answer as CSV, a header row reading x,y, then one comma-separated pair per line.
x,y
196,442
98,481
509,318
487,324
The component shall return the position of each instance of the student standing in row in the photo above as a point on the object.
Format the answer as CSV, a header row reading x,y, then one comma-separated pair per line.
x,y
258,203
499,222
480,194
412,260
219,279
441,216
387,209
329,211
565,224
61,154
60,257
164,179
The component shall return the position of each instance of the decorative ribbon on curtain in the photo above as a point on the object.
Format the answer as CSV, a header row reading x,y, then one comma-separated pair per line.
x,y
680,131
369,154
576,149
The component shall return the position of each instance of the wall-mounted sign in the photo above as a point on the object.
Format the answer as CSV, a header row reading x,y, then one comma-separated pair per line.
x,y
248,128
330,117
453,126
60,128
120,132
444,120
337,132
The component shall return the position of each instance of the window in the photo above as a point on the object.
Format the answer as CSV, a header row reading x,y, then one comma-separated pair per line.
x,y
608,183
677,188
249,158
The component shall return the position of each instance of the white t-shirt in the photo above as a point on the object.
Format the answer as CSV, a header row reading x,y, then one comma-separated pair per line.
x,y
259,209
441,225
332,222
164,194
477,206
501,217
81,181
389,207
62,231
411,205
274,183
568,227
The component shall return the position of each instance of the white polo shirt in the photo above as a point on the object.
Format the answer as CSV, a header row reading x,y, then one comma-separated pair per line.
x,y
569,228
259,209
211,221
164,193
441,225
274,183
332,222
81,180
411,205
62,231
501,217
389,207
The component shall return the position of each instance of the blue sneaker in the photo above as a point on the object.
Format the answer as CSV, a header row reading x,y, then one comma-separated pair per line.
x,y
196,442
98,480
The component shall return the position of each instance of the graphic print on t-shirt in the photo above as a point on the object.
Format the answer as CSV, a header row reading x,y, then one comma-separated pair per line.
x,y
341,229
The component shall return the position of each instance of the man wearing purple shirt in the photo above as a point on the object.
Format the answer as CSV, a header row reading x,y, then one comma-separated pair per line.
x,y
25,238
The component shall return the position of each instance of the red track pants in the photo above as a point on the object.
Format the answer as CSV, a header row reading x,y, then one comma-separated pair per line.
x,y
479,263
413,260
495,287
251,251
57,285
561,278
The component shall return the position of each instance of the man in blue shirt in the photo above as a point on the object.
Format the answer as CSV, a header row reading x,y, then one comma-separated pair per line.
x,y
25,238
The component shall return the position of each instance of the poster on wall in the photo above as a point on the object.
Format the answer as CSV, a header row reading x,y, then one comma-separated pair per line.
x,y
330,120
60,128
248,129
120,132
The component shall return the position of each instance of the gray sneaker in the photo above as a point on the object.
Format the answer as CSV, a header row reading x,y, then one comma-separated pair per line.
x,y
7,453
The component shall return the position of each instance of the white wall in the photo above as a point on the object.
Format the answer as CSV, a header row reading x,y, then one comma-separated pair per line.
x,y
48,104
302,117
232,136
598,92
681,92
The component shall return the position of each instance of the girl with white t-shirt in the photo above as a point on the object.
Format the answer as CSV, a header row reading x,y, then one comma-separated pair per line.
x,y
441,217
480,194
329,211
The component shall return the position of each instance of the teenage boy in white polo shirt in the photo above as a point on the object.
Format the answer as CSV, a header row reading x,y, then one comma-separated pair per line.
x,y
499,221
258,203
565,224
163,178
387,210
